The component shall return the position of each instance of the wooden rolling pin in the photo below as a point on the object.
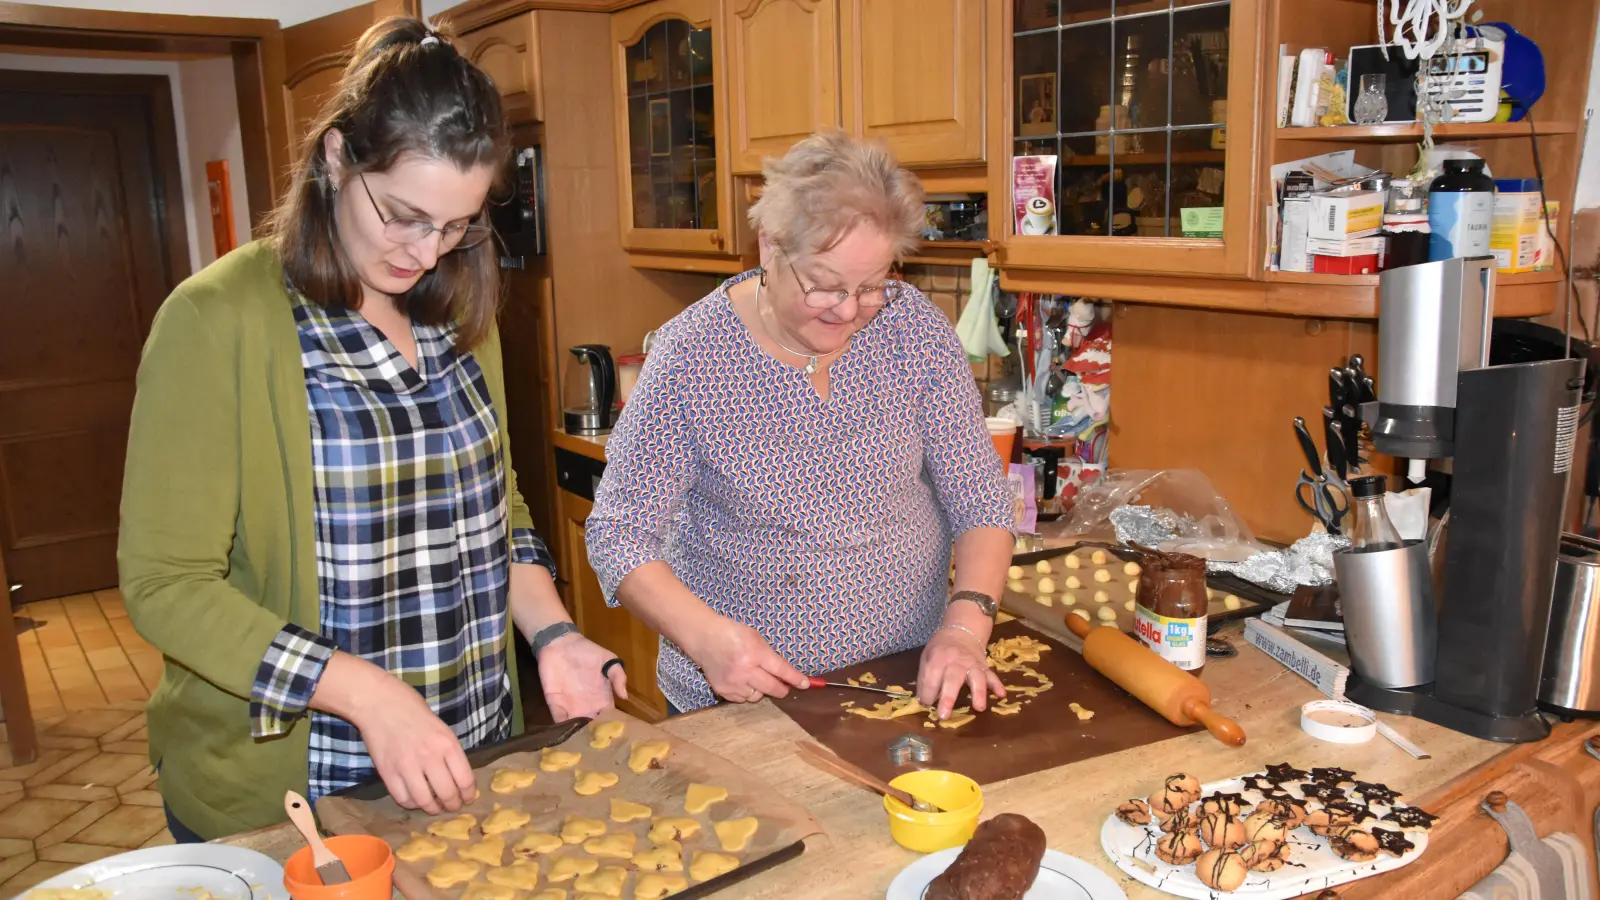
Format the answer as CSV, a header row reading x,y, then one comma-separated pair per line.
x,y
1182,698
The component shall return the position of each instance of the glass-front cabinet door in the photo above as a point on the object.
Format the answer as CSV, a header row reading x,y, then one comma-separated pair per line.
x,y
670,115
1126,154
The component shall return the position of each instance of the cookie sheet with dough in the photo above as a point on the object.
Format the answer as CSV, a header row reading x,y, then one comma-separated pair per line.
x,y
660,801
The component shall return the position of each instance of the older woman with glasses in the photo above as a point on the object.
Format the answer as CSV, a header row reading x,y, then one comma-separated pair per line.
x,y
321,528
802,450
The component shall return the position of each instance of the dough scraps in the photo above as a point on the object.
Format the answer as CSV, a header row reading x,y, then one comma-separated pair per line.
x,y
890,709
957,720
481,891
507,780
550,894
666,856
504,818
627,811
607,881
674,828
616,845
588,784
708,864
646,755
654,886
868,678
536,843
569,867
452,872
699,797
522,875
553,760
1083,715
67,894
490,851
735,834
605,733
1006,708
420,847
456,829
577,829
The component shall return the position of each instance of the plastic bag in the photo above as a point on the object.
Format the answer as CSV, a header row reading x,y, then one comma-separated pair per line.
x,y
1180,507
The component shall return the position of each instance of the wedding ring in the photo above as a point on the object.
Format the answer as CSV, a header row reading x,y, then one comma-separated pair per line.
x,y
605,670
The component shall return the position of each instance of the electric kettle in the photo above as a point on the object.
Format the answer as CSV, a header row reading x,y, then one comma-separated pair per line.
x,y
589,389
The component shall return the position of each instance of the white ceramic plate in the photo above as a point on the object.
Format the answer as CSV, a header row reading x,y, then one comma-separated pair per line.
x,y
1313,867
1061,877
181,871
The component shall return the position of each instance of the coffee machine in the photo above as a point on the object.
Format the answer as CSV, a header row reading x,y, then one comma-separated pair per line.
x,y
1505,434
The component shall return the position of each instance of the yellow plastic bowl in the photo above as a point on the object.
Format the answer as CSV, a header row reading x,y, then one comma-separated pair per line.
x,y
928,832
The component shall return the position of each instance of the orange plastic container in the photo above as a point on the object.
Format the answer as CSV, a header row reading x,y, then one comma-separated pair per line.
x,y
368,859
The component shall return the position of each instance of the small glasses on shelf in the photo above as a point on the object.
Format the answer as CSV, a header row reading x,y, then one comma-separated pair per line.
x,y
1372,104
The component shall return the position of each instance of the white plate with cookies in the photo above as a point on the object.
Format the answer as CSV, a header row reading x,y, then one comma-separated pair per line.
x,y
1280,856
1061,877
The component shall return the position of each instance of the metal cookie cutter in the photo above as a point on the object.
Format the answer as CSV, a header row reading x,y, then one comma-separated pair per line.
x,y
909,748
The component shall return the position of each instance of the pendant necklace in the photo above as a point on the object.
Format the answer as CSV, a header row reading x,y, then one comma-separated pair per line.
x,y
810,358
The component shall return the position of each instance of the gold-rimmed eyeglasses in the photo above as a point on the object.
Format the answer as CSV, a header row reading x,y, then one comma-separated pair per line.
x,y
871,297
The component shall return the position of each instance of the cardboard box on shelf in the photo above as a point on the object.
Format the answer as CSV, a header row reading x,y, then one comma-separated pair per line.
x,y
1339,216
1292,255
1367,246
1345,265
1514,231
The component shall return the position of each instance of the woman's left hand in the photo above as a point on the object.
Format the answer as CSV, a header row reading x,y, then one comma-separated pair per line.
x,y
952,659
569,672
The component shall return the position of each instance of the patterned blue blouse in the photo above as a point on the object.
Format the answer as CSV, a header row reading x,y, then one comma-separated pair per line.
x,y
826,525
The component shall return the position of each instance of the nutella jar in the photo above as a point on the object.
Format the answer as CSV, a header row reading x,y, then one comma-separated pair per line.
x,y
1170,617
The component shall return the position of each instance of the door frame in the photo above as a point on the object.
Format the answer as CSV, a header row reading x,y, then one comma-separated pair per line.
x,y
157,91
255,46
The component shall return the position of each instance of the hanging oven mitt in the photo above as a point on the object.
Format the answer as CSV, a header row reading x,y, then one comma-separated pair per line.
x,y
977,328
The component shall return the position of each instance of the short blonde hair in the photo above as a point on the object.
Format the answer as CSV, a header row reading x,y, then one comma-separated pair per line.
x,y
828,184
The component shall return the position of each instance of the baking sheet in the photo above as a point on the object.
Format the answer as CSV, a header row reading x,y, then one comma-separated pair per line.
x,y
783,824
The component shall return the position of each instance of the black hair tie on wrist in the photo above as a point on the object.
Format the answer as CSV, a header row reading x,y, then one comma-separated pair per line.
x,y
605,670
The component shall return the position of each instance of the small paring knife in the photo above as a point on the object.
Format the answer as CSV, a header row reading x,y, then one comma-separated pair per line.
x,y
329,868
818,682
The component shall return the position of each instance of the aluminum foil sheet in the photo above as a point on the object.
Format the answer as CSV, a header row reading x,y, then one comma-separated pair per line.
x,y
1308,561
1145,526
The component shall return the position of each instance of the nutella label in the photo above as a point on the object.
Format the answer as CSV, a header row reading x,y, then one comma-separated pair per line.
x,y
1181,642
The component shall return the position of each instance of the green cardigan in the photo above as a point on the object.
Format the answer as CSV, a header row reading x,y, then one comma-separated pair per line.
x,y
217,549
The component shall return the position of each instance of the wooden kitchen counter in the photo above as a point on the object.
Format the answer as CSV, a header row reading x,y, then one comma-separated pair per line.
x,y
1554,781
590,445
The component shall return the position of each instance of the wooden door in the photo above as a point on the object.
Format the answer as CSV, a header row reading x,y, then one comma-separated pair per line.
x,y
315,53
783,75
913,76
615,629
95,240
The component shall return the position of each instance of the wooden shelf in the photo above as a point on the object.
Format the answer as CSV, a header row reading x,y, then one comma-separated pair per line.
x,y
945,253
1182,157
1400,133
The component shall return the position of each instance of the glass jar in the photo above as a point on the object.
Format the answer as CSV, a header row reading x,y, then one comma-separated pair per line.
x,y
1170,617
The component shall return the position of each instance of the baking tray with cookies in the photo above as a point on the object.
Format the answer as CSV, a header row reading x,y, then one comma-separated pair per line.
x,y
610,806
1100,582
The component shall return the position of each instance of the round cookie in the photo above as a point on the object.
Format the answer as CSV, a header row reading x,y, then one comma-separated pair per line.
x,y
1131,812
1222,829
1179,848
1221,870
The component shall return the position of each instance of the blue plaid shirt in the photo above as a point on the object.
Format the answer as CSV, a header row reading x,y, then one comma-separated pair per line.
x,y
413,539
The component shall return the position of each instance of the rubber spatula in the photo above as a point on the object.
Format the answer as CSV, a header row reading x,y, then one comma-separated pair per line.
x,y
329,868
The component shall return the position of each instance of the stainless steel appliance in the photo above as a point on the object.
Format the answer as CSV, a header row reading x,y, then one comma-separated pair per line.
x,y
1571,684
589,390
1507,432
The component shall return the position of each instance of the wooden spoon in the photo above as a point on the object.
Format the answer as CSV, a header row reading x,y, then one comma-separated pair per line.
x,y
829,762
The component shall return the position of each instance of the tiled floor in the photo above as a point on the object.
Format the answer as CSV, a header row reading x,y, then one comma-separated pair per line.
x,y
91,792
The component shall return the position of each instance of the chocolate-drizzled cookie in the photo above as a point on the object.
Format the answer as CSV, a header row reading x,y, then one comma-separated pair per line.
x,y
1358,812
1290,809
1221,870
1334,776
1134,812
1179,848
1233,804
1177,792
1323,793
1354,844
1392,842
1260,783
1183,820
1280,773
1410,818
1380,794
1265,856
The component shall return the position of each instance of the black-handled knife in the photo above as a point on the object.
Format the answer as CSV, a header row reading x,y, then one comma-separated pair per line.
x,y
1308,446
1350,416
1335,437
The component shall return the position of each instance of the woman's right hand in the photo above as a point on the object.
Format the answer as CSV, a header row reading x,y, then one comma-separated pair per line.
x,y
739,663
416,754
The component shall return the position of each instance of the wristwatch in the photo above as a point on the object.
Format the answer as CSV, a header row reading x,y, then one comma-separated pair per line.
x,y
988,604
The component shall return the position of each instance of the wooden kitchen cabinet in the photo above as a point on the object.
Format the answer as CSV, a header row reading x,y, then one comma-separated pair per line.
x,y
674,199
784,59
505,51
616,629
913,77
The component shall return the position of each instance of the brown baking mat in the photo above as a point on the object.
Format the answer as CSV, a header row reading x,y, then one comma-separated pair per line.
x,y
783,825
1045,734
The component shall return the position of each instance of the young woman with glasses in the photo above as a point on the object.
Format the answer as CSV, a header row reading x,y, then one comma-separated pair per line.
x,y
321,528
802,451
